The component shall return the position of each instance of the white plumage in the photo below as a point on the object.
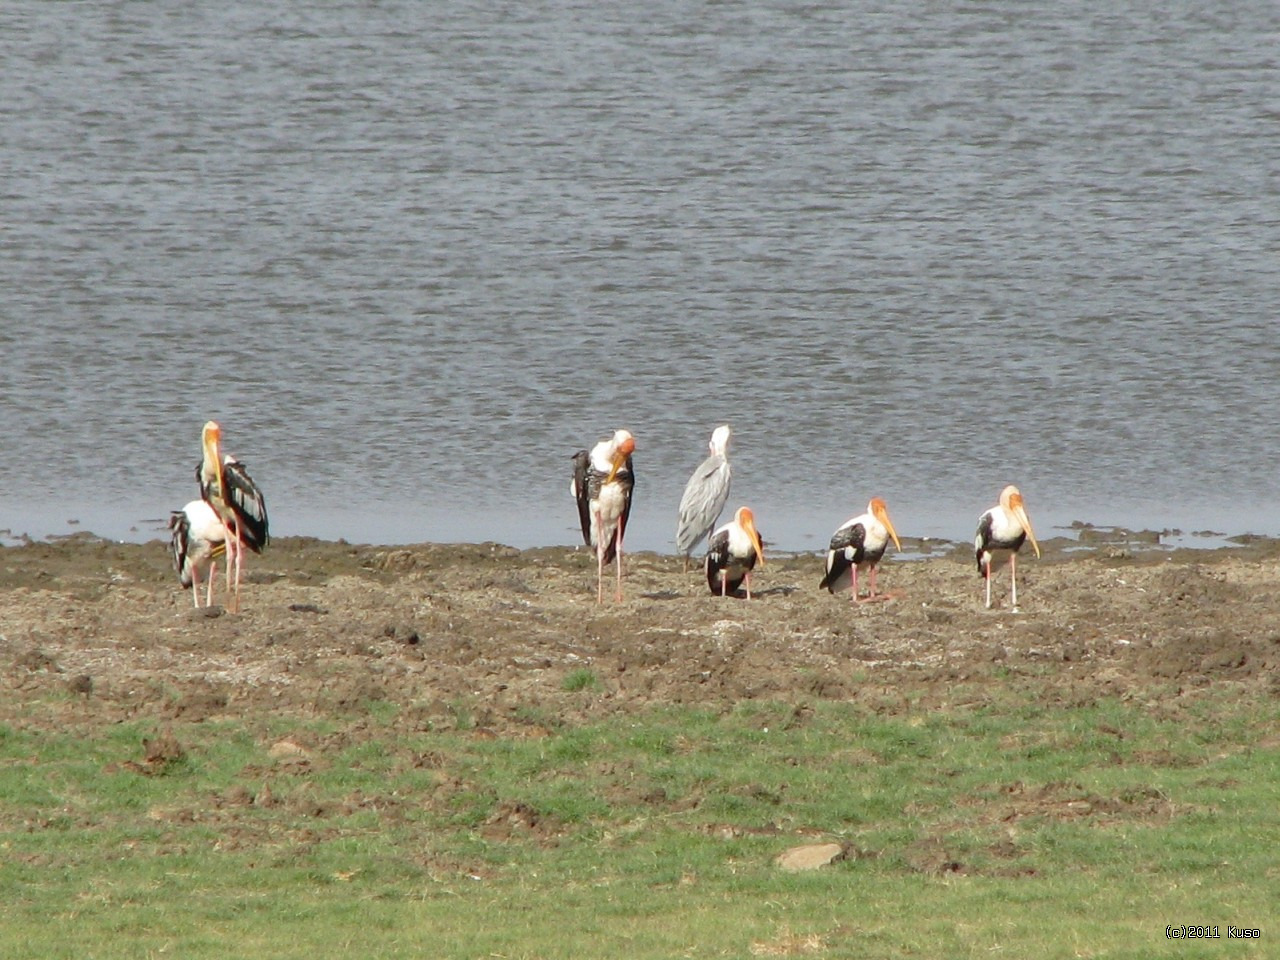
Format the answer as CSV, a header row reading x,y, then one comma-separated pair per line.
x,y
733,552
602,484
858,545
199,539
1001,532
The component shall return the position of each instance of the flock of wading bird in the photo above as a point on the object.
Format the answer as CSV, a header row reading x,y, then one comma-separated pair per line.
x,y
231,516
603,479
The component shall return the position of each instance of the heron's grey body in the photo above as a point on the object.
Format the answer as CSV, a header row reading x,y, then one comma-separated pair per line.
x,y
705,495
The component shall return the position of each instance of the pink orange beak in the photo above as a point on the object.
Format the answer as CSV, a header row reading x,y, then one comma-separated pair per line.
x,y
625,449
881,511
1019,511
747,521
212,442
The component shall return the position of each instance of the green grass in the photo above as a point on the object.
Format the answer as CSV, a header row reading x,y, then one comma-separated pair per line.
x,y
1011,828
581,679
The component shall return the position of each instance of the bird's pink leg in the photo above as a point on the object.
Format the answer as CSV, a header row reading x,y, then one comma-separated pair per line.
x,y
195,584
618,560
986,575
747,581
853,584
600,548
213,575
724,583
231,542
1013,581
229,561
239,564
871,592
235,549
874,594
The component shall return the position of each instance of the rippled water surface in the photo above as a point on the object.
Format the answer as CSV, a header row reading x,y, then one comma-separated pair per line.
x,y
413,255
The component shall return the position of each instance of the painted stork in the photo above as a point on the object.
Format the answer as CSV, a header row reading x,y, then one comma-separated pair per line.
x,y
226,486
199,540
858,545
732,554
602,484
1001,532
705,495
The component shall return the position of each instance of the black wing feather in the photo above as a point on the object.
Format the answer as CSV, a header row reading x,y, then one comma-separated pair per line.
x,y
180,543
837,563
587,482
986,541
582,492
248,505
717,560
243,502
983,540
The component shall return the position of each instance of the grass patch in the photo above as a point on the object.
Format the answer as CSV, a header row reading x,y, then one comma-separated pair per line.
x,y
1010,827
582,678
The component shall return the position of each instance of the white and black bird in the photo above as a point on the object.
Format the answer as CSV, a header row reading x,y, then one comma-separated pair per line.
x,y
705,495
858,545
1002,530
198,542
227,487
733,552
602,484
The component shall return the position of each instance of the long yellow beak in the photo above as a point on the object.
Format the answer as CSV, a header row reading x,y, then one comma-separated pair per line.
x,y
882,514
625,449
748,523
619,459
888,525
1020,512
212,438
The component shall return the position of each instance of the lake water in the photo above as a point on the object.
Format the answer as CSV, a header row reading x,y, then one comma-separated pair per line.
x,y
414,255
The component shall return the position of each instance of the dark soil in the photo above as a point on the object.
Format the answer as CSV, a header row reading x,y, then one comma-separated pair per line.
x,y
486,635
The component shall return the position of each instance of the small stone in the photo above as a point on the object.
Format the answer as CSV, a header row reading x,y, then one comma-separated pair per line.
x,y
810,856
287,748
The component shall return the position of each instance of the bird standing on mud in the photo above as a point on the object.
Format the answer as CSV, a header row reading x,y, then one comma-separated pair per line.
x,y
858,545
602,484
1001,532
705,495
226,486
199,539
732,554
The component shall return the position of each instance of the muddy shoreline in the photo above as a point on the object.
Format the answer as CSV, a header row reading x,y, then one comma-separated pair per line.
x,y
488,636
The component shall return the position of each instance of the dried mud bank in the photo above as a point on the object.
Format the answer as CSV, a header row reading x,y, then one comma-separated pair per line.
x,y
512,642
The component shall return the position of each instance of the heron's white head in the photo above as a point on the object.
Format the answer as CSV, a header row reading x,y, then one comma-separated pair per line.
x,y
720,440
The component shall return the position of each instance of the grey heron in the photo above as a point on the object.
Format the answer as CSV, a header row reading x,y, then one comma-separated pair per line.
x,y
705,495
